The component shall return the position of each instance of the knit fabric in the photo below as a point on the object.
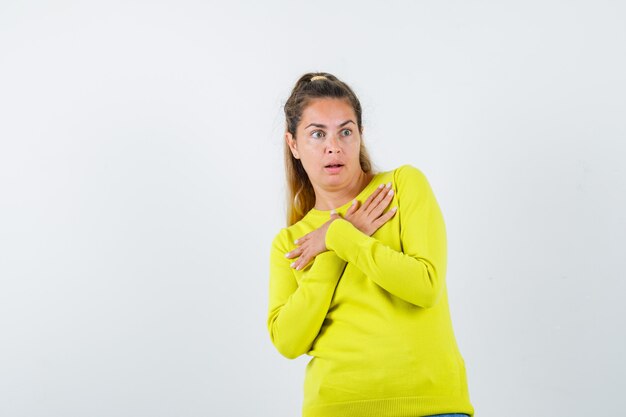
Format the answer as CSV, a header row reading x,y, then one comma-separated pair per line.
x,y
372,311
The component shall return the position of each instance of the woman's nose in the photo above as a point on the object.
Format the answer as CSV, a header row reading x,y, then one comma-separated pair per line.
x,y
332,144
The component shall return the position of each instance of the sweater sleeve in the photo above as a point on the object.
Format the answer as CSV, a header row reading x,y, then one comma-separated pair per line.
x,y
297,309
417,273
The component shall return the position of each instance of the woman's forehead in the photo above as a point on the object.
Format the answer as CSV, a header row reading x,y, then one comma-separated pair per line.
x,y
328,111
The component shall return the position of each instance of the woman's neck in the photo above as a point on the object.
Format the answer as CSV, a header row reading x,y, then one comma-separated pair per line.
x,y
327,200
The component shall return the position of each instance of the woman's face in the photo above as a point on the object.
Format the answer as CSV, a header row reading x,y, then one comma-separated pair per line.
x,y
328,135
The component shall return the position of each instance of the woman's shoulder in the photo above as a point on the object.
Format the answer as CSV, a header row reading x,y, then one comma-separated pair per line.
x,y
408,173
402,172
409,179
408,168
284,238
281,238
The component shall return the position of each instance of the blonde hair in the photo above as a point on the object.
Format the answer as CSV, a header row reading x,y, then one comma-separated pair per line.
x,y
300,193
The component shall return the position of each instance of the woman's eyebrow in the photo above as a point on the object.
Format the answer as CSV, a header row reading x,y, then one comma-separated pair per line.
x,y
324,126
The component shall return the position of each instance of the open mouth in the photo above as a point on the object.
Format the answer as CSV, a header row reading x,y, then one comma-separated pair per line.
x,y
334,165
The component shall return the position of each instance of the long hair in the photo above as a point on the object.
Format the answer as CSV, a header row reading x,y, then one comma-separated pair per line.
x,y
313,85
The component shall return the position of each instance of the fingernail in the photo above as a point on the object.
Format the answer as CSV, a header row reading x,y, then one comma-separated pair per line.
x,y
381,185
295,241
394,209
388,184
353,202
333,212
287,255
390,192
292,264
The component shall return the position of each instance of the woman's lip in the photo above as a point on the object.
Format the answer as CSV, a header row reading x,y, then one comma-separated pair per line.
x,y
333,170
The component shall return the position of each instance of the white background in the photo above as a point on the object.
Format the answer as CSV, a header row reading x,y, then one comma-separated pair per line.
x,y
141,183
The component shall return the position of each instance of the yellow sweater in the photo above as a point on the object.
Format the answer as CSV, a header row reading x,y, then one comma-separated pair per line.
x,y
372,312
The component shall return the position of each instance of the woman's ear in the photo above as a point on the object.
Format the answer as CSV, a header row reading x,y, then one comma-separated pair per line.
x,y
291,142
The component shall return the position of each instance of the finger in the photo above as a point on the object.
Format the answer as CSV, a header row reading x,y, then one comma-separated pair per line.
x,y
302,239
295,263
385,217
372,196
381,202
353,208
294,253
301,263
301,253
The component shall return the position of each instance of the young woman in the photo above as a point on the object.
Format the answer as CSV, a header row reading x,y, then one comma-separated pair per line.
x,y
357,279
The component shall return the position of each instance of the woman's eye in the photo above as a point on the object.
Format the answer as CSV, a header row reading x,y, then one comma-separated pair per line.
x,y
317,134
346,132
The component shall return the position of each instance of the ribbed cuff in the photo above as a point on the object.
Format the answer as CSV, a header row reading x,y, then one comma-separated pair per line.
x,y
345,239
327,264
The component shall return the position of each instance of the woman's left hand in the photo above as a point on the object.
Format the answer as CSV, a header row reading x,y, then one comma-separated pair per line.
x,y
310,245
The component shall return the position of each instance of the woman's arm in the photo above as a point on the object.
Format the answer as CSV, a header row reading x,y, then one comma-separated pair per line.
x,y
417,273
297,309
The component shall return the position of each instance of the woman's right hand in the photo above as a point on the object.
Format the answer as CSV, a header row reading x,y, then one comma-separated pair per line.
x,y
369,217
